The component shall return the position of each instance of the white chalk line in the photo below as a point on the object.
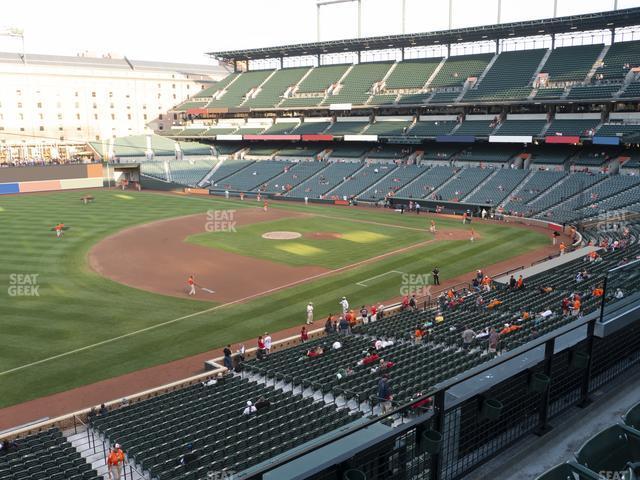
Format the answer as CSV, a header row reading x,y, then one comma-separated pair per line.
x,y
362,284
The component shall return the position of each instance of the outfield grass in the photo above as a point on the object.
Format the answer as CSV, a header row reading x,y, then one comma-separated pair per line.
x,y
78,311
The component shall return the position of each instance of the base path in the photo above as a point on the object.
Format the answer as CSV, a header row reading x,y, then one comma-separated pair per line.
x,y
163,261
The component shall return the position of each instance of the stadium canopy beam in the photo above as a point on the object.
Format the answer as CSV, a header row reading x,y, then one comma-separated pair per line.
x,y
549,26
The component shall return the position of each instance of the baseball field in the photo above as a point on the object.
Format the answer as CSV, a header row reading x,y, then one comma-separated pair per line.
x,y
109,298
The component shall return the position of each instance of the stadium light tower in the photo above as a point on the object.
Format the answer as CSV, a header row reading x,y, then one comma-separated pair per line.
x,y
14,32
322,3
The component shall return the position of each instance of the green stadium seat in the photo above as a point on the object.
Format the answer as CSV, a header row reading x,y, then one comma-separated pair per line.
x,y
611,449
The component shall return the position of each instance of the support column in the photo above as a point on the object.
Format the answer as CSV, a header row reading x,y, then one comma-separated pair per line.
x,y
543,425
451,14
438,426
586,379
359,19
318,22
404,16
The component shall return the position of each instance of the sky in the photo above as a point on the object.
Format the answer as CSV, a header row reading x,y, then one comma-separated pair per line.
x,y
164,30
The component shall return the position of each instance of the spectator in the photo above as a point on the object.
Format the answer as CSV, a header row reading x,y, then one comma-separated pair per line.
x,y
249,409
267,342
413,303
6,446
369,359
103,410
520,283
384,393
418,335
262,404
336,345
405,302
619,294
304,336
344,326
227,357
383,366
241,351
494,338
262,352
315,352
213,381
468,336
113,464
328,325
512,282
189,457
364,314
373,312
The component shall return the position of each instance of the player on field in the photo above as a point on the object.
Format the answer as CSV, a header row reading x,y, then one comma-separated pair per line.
x,y
59,228
191,284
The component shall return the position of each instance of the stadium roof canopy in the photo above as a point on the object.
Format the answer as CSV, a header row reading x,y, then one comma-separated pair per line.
x,y
574,23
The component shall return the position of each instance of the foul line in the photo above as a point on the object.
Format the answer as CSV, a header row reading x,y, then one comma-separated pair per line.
x,y
208,310
378,276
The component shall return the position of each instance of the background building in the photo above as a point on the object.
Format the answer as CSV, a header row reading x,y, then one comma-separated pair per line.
x,y
51,101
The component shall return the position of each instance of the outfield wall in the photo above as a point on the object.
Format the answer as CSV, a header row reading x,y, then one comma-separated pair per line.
x,y
47,178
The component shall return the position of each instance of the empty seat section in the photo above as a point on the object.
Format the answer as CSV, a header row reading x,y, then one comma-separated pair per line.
x,y
281,128
325,180
412,73
295,175
498,187
235,92
431,128
362,179
576,127
457,69
480,128
356,85
383,128
509,77
463,181
273,89
392,183
255,175
426,183
346,128
614,65
567,64
521,127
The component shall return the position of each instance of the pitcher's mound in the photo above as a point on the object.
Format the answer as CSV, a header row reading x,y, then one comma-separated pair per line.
x,y
281,235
